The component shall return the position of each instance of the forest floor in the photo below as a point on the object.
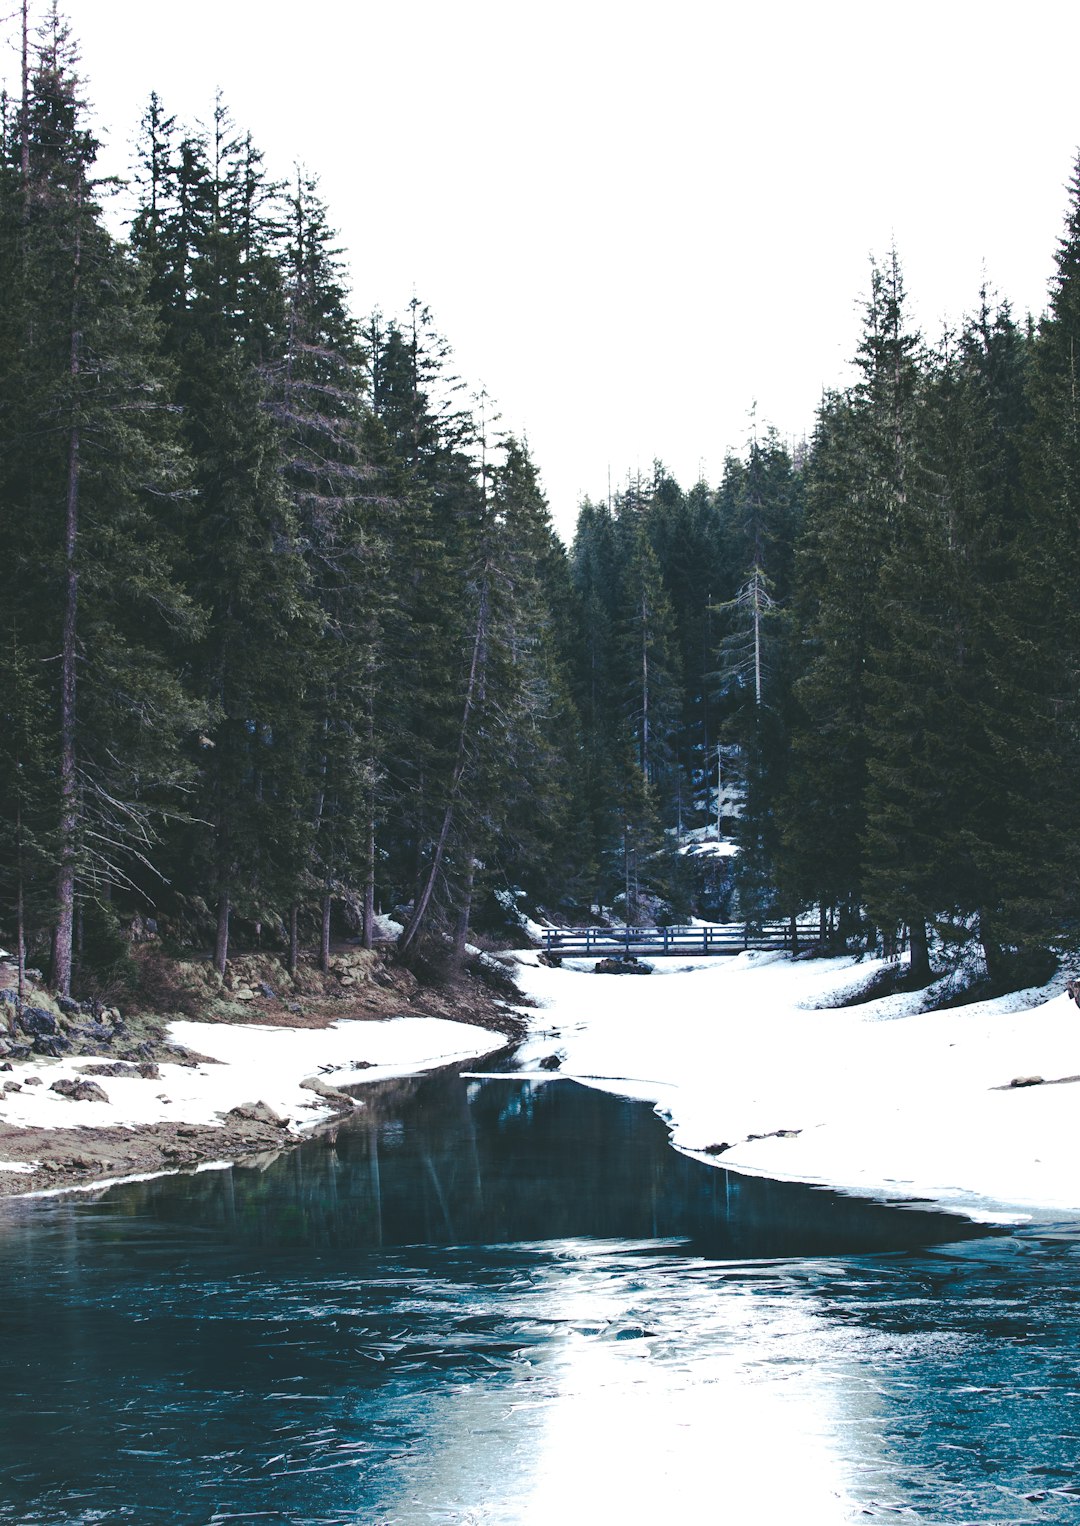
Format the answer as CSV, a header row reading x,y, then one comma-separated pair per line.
x,y
242,1066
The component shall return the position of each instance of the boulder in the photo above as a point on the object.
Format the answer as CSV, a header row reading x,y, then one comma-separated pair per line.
x,y
37,1022
80,1091
625,964
52,1048
328,1093
95,1033
256,1112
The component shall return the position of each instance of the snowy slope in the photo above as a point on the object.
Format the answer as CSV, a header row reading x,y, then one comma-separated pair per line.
x,y
877,1098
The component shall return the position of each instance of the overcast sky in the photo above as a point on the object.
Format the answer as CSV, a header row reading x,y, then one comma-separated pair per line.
x,y
633,222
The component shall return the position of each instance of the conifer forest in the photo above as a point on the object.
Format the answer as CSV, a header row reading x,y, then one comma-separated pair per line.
x,y
288,638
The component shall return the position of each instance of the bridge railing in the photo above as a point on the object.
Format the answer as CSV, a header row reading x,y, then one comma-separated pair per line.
x,y
711,938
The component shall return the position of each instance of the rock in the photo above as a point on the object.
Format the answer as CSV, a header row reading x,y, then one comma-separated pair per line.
x,y
550,1062
715,1149
362,1065
1027,1081
37,1022
32,1081
243,993
94,1033
52,1048
347,980
293,1006
328,1093
625,964
268,991
553,961
7,1065
111,1068
12,1086
68,1007
80,1091
256,1112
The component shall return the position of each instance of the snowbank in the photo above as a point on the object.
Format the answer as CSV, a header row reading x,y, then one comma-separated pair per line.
x,y
878,1099
253,1064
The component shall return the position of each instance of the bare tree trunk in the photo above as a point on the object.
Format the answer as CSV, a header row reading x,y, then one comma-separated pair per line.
x,y
369,882
461,933
324,934
920,952
69,805
423,900
20,921
294,939
221,945
24,108
645,690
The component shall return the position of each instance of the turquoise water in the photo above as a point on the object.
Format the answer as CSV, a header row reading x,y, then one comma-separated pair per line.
x,y
503,1302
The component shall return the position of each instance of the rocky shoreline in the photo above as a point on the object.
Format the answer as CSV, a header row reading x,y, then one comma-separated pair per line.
x,y
361,985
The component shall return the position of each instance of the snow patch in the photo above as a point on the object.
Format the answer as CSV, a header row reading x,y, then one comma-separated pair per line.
x,y
882,1099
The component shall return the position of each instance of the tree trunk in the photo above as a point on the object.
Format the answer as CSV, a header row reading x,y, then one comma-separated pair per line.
x,y
823,925
920,953
221,946
24,109
20,923
69,805
324,934
793,933
369,886
461,933
294,939
991,951
423,900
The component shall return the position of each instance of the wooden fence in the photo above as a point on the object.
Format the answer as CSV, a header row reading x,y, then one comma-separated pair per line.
x,y
665,942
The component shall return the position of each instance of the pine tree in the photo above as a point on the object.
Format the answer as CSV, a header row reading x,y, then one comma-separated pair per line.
x,y
91,470
317,387
215,264
858,488
942,723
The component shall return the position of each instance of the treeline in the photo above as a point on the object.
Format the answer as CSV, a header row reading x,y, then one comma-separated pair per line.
x,y
880,637
287,636
284,618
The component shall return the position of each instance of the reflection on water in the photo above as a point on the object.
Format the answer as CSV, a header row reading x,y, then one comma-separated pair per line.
x,y
436,1160
415,1323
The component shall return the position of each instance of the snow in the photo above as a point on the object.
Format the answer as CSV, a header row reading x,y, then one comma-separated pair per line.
x,y
710,849
880,1099
254,1064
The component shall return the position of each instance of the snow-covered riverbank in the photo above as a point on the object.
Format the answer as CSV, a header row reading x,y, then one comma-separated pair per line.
x,y
181,1114
879,1098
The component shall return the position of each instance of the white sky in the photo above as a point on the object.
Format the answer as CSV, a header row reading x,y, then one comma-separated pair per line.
x,y
630,221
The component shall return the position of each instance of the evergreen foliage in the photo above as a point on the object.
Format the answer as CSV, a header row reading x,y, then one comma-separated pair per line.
x,y
289,639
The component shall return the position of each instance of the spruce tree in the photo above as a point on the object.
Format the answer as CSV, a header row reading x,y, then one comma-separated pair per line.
x,y
91,472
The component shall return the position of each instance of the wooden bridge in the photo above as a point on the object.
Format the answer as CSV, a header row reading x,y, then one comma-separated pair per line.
x,y
666,942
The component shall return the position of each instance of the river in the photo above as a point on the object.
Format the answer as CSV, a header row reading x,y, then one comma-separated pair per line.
x,y
505,1301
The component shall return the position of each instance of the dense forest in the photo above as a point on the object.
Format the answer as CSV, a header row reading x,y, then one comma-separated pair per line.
x,y
288,638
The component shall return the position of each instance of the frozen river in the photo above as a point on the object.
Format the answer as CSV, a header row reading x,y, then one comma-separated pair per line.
x,y
508,1302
